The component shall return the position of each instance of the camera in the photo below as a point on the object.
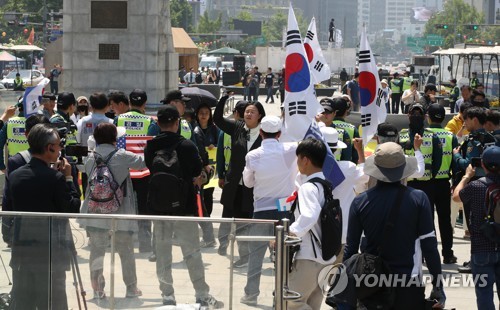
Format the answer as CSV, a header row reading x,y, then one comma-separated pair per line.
x,y
73,150
475,162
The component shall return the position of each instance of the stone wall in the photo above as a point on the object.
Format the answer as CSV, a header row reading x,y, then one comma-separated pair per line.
x,y
146,53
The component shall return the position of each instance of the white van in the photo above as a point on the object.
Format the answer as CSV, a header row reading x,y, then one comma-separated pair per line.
x,y
211,62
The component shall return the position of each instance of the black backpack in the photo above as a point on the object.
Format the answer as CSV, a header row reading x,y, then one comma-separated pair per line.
x,y
344,89
330,220
491,226
168,190
198,79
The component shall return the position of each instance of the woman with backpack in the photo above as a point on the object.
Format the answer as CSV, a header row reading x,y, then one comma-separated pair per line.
x,y
207,134
109,191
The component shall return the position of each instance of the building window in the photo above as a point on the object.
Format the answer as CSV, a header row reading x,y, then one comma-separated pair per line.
x,y
108,14
109,51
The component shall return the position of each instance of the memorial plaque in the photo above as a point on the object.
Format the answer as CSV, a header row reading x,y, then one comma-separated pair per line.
x,y
109,51
108,14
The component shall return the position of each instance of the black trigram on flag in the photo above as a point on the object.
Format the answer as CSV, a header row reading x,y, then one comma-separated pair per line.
x,y
366,120
298,107
364,56
318,66
380,95
292,37
310,34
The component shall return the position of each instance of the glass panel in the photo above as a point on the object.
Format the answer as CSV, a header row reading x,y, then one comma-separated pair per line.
x,y
129,280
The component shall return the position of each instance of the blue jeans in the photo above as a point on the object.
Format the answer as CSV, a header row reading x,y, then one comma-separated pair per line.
x,y
269,93
489,264
258,248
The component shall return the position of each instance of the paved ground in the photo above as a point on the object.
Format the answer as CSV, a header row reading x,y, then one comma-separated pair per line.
x,y
217,274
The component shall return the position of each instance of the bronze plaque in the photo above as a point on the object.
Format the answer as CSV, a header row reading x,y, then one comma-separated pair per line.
x,y
108,14
109,51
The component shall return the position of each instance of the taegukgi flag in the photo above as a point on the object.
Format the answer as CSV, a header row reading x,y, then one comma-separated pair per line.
x,y
33,96
320,70
301,105
373,110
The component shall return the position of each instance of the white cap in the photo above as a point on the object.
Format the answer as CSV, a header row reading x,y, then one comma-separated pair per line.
x,y
332,138
270,124
384,81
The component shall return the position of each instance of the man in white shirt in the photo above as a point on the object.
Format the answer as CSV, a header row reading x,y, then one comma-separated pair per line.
x,y
270,170
190,76
303,278
87,124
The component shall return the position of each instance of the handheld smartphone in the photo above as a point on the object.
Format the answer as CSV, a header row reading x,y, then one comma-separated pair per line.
x,y
475,162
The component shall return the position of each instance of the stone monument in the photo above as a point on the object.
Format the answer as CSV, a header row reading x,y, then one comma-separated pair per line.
x,y
119,44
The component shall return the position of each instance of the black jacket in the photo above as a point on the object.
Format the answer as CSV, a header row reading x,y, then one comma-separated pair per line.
x,y
35,187
189,160
238,133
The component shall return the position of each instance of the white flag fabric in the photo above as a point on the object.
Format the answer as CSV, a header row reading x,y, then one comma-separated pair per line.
x,y
373,110
320,70
33,96
301,105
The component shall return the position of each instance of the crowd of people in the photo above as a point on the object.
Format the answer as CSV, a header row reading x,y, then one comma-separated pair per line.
x,y
424,164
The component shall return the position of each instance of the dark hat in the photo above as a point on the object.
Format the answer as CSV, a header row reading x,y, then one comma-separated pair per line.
x,y
454,81
50,96
387,130
396,74
167,114
174,95
240,106
66,99
389,163
327,104
340,103
436,111
138,96
430,86
491,157
416,106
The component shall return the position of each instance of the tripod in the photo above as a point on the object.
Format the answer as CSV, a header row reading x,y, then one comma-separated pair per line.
x,y
77,278
6,273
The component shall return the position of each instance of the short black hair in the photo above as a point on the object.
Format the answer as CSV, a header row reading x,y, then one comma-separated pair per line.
x,y
259,107
118,96
476,93
478,112
429,87
493,116
340,106
105,133
314,150
464,106
269,135
414,82
35,119
98,101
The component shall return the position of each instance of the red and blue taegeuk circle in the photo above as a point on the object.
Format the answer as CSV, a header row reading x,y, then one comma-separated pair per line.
x,y
367,87
297,75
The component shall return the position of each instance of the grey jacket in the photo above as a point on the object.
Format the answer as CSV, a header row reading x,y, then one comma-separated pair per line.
x,y
119,165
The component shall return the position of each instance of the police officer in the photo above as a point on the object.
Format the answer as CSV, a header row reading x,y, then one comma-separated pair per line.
x,y
327,117
66,106
407,79
137,123
341,109
4,132
396,88
438,188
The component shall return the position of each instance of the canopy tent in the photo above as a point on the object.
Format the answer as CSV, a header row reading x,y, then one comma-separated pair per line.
x,y
467,55
226,51
22,48
6,56
185,47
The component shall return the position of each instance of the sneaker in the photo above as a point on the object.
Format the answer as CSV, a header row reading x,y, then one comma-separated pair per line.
x,y
210,302
99,295
466,268
152,258
450,260
250,300
222,251
209,244
133,292
240,263
169,300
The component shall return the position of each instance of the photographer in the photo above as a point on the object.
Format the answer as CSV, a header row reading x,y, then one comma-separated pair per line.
x,y
41,246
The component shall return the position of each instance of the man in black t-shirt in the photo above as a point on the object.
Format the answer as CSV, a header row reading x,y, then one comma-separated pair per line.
x,y
269,79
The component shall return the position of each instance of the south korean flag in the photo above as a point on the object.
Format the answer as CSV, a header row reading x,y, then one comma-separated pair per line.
x,y
301,105
320,70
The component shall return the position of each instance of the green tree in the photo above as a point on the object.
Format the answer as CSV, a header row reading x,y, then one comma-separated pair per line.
x,y
207,25
181,14
244,15
272,30
456,14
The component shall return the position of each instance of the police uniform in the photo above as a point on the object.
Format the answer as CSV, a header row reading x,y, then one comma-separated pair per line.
x,y
16,138
396,86
349,133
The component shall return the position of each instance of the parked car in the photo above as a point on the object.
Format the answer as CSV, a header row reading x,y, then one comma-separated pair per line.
x,y
28,80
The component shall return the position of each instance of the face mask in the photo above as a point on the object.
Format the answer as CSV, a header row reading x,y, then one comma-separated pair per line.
x,y
416,122
82,108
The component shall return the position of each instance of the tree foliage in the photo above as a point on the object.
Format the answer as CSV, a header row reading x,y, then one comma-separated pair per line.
x,y
272,29
181,14
456,14
207,25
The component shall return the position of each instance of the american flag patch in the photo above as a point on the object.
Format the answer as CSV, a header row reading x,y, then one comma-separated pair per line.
x,y
135,145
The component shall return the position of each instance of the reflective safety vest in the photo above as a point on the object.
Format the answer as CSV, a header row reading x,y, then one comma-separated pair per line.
x,y
425,149
135,123
341,131
16,138
347,127
407,83
227,151
446,139
395,88
186,131
70,136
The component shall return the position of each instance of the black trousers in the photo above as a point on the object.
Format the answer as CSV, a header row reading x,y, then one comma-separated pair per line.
x,y
439,194
140,187
396,99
